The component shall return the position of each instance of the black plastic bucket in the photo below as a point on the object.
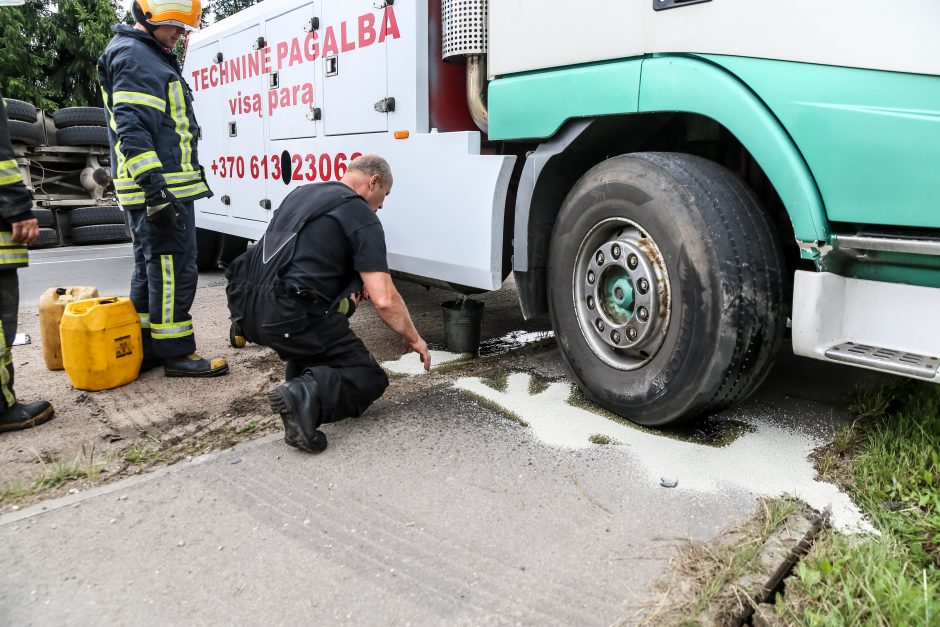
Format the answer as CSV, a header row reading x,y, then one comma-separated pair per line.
x,y
462,322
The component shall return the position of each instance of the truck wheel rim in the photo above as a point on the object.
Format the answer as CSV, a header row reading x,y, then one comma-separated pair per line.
x,y
621,293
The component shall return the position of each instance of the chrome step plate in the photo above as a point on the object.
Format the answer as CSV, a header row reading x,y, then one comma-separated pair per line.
x,y
909,364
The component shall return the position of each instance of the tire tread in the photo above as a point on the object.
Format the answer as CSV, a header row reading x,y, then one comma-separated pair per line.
x,y
79,116
20,110
100,234
90,216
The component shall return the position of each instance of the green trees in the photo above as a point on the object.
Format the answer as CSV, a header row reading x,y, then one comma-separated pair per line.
x,y
50,50
25,53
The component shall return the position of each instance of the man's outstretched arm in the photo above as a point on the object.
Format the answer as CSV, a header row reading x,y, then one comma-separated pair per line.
x,y
379,288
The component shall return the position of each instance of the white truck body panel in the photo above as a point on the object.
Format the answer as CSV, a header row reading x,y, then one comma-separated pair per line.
x,y
870,34
829,310
444,218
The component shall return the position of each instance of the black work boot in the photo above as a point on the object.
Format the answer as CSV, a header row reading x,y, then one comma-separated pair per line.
x,y
25,415
194,366
296,401
236,337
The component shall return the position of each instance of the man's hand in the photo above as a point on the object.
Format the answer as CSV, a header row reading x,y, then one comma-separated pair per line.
x,y
162,209
421,348
25,231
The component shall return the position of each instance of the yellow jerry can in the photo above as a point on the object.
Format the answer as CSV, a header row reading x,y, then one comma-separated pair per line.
x,y
101,343
51,307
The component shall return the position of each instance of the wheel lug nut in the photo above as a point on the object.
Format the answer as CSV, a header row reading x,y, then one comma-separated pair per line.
x,y
615,336
590,302
618,293
633,261
643,285
643,314
615,251
591,277
632,333
600,325
600,258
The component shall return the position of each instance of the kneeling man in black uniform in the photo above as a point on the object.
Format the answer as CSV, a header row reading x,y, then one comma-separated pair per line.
x,y
323,248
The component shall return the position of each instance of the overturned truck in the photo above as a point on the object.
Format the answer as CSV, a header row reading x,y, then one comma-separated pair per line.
x,y
672,182
64,158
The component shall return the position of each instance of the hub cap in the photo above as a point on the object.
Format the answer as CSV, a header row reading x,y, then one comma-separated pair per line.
x,y
621,293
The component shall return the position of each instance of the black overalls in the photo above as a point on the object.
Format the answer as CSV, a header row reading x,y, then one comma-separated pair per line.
x,y
315,341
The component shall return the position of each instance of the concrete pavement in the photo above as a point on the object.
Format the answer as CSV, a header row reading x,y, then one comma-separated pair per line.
x,y
435,511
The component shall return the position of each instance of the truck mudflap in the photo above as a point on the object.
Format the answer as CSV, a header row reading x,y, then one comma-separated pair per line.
x,y
888,327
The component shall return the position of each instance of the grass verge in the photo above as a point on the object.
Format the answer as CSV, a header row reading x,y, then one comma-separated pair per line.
x,y
712,582
57,473
889,461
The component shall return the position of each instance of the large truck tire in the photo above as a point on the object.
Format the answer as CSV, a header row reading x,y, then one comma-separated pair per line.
x,y
90,216
100,234
19,110
666,287
24,133
82,136
47,239
79,116
45,217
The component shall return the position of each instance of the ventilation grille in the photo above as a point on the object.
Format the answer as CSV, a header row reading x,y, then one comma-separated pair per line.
x,y
464,26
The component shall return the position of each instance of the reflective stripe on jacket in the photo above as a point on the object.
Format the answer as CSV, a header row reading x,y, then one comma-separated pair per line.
x,y
152,127
16,203
12,255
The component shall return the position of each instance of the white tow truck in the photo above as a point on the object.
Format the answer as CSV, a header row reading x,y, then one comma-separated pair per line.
x,y
670,180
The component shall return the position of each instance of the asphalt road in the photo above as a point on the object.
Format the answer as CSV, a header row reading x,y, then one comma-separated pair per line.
x,y
480,500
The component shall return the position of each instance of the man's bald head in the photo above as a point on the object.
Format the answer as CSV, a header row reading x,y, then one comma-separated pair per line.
x,y
370,176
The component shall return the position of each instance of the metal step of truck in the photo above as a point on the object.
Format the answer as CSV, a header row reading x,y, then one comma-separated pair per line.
x,y
909,364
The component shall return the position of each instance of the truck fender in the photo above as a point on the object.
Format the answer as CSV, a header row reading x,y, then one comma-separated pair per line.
x,y
694,85
530,285
667,84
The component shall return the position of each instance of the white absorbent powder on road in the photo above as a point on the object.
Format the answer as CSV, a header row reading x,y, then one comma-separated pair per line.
x,y
770,461
410,364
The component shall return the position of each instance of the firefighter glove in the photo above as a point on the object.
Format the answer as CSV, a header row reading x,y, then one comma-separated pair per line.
x,y
162,209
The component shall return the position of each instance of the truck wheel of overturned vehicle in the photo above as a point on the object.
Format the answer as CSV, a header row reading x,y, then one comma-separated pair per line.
x,y
79,116
45,217
24,133
20,110
89,216
666,287
82,136
47,239
100,234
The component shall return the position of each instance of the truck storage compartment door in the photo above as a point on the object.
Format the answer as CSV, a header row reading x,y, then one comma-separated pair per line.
x,y
213,140
290,99
248,168
355,67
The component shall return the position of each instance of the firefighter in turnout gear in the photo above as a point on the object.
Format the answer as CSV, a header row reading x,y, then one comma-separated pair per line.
x,y
18,228
157,177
